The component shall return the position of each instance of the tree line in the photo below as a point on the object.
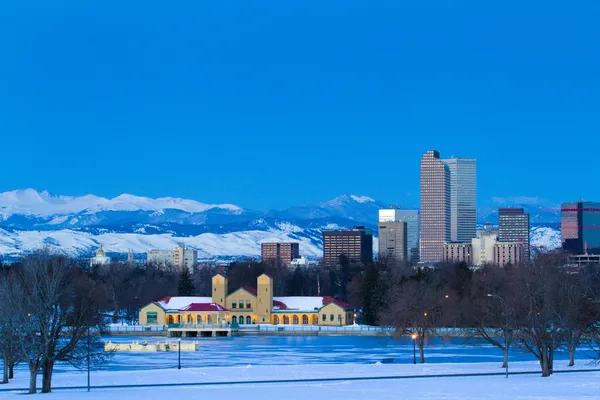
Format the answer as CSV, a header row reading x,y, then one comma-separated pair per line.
x,y
49,304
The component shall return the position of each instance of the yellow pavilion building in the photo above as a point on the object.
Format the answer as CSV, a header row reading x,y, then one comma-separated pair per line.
x,y
246,306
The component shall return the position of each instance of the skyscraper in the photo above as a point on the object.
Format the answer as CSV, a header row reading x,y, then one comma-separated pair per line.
x,y
356,244
413,232
580,227
513,227
392,235
463,199
435,206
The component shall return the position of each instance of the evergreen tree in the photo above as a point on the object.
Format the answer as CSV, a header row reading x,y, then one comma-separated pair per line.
x,y
186,285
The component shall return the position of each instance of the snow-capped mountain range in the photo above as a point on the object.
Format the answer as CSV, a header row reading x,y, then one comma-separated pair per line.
x,y
30,220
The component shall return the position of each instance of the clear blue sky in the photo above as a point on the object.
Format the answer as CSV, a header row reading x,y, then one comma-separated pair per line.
x,y
266,104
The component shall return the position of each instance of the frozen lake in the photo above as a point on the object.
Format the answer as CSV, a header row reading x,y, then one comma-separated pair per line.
x,y
302,350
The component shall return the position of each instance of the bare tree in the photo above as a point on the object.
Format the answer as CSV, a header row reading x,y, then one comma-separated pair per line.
x,y
487,317
415,308
539,306
57,311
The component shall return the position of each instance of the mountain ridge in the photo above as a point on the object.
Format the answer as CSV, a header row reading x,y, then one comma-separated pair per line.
x,y
77,225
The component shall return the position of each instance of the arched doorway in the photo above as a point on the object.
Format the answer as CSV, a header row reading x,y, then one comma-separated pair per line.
x,y
305,320
234,320
315,319
190,319
286,320
208,319
248,320
275,320
296,320
199,319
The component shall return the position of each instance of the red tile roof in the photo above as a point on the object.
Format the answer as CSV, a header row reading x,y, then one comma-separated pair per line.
x,y
203,307
328,300
250,290
279,304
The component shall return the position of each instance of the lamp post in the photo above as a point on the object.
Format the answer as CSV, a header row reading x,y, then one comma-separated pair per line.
x,y
179,354
414,338
505,327
88,360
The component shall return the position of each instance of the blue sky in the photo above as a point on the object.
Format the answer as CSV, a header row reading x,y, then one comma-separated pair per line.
x,y
273,103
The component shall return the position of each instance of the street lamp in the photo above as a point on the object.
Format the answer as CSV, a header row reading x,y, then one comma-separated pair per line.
x,y
414,338
505,327
179,354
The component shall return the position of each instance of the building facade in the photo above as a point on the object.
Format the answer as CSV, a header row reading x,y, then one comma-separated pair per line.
x,y
483,247
513,227
463,198
510,253
580,227
435,207
392,234
100,258
355,244
458,253
178,257
245,306
280,253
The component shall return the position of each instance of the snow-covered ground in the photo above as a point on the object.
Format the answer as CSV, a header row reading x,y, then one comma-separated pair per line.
x,y
580,385
246,360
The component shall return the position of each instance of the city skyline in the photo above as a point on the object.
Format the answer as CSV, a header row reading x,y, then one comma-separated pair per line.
x,y
196,101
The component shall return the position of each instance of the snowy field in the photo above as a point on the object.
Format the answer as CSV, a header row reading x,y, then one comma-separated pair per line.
x,y
582,385
236,361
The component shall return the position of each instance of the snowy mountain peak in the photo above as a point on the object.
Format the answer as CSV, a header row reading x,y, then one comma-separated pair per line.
x,y
362,199
43,203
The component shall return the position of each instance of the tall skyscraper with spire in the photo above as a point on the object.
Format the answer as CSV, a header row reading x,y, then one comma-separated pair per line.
x,y
435,206
463,199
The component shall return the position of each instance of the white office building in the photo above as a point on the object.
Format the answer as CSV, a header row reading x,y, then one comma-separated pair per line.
x,y
179,257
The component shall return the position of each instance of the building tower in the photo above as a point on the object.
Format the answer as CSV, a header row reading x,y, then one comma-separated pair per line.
x,y
392,234
580,227
220,290
463,199
435,206
355,244
264,298
513,227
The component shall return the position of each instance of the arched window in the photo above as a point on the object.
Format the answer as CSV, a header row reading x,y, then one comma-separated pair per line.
x,y
295,320
190,319
286,320
234,320
208,319
170,320
305,320
199,319
248,320
275,320
315,319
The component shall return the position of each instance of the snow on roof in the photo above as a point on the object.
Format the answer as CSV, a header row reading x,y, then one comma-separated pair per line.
x,y
300,303
199,307
178,302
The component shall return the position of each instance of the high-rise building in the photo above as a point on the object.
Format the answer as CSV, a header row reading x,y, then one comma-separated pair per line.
x,y
355,244
392,235
513,227
435,206
280,253
179,257
463,198
413,232
580,227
